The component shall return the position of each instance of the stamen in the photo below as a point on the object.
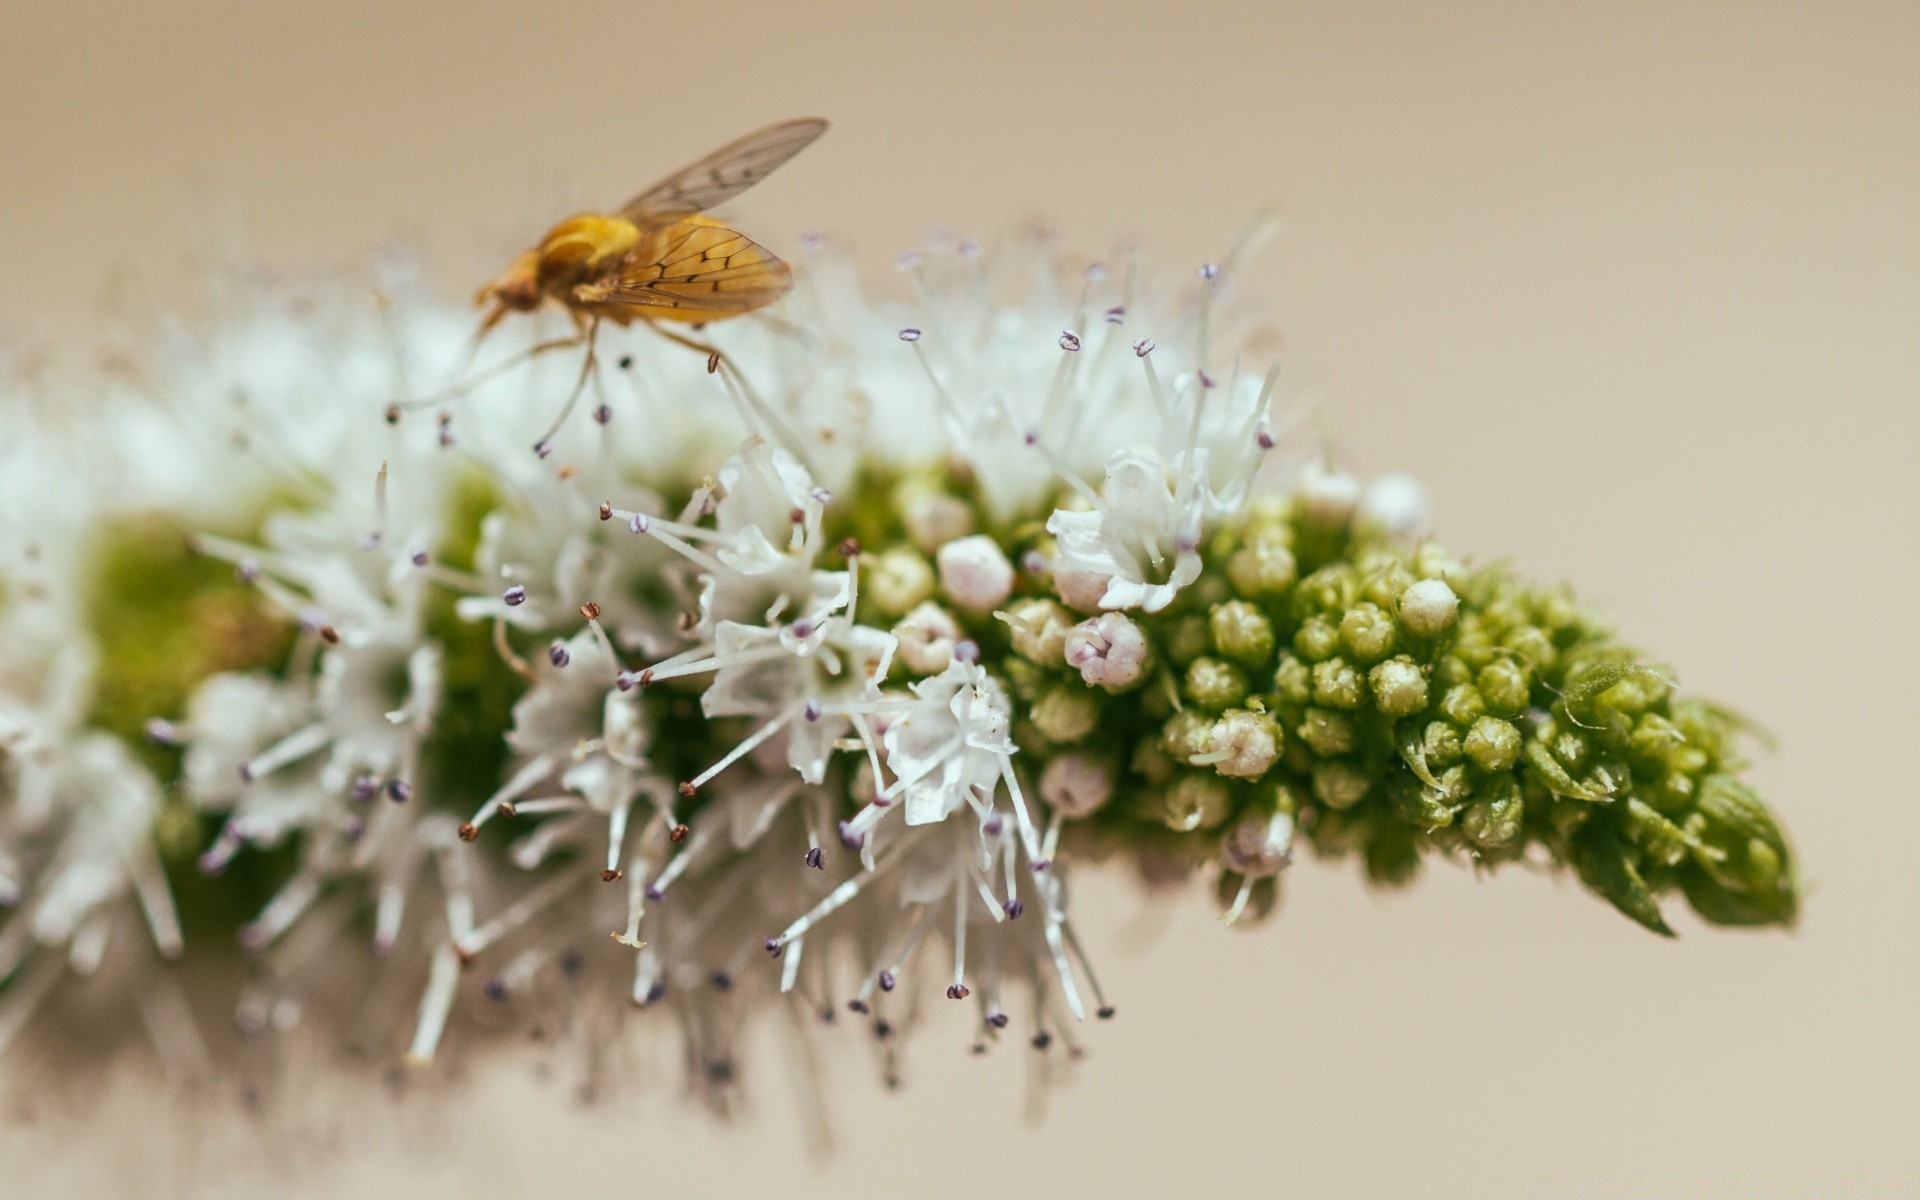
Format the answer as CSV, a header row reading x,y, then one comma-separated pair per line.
x,y
958,989
290,749
443,977
745,747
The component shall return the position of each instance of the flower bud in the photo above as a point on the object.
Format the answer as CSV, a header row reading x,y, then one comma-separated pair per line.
x,y
1242,633
1038,629
1187,735
1263,567
1249,742
926,638
1327,733
1081,590
1493,744
1293,680
1399,687
1317,639
1505,687
1367,632
896,581
934,518
1076,783
1428,608
974,574
1214,685
1195,801
1328,497
1258,844
1395,505
1339,784
1184,639
1109,651
1065,713
1337,685
1462,705
1493,821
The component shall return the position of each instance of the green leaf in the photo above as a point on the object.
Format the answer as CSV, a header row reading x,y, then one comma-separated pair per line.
x,y
1605,863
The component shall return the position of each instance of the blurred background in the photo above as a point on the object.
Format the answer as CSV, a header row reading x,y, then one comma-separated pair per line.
x,y
1634,288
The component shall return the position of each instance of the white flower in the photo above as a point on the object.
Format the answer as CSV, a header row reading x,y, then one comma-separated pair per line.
x,y
949,747
710,626
1142,536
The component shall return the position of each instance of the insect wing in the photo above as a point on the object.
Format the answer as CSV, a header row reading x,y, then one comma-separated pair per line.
x,y
725,173
700,267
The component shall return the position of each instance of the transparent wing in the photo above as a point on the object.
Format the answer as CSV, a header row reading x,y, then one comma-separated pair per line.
x,y
725,173
701,267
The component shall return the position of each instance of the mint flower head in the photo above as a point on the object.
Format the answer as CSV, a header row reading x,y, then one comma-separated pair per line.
x,y
810,682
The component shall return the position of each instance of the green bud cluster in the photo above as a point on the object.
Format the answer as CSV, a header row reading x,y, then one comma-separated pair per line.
x,y
1398,703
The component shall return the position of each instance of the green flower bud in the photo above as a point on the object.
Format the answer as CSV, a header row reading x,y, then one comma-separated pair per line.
x,y
1187,735
1214,685
1151,763
896,581
1505,686
1656,737
1399,687
1494,820
1316,640
1340,784
1242,633
1066,712
1337,685
1493,744
1531,644
1293,680
1425,807
1262,568
1385,581
1462,705
1367,632
1185,639
1432,561
1441,744
1195,801
1038,628
1327,733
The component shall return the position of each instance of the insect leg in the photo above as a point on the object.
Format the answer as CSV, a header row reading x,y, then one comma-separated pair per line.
x,y
588,370
741,392
498,369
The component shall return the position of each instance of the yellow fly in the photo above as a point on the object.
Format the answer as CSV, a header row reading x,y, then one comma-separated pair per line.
x,y
655,259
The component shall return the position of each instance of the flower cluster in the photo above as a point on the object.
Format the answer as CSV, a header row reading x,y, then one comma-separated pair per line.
x,y
812,670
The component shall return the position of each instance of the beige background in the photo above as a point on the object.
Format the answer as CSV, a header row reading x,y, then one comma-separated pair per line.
x,y
1636,289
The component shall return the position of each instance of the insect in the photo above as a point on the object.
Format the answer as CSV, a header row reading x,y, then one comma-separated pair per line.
x,y
656,259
